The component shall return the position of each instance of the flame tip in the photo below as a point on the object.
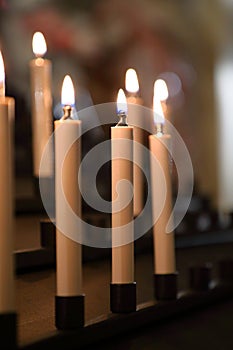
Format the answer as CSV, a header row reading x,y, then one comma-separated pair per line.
x,y
121,101
131,81
2,69
39,46
67,92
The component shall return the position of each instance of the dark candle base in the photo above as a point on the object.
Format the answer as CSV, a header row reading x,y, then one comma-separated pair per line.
x,y
47,233
123,297
165,286
69,312
200,278
8,330
226,271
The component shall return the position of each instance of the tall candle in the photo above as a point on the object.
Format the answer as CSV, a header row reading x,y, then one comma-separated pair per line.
x,y
41,97
135,117
164,247
68,252
7,105
122,252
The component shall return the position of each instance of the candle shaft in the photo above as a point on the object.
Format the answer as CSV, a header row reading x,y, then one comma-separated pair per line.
x,y
135,117
67,161
164,247
122,169
40,71
7,302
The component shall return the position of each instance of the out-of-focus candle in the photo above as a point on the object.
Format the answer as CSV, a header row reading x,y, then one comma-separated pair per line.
x,y
135,118
164,247
123,287
42,121
7,106
68,252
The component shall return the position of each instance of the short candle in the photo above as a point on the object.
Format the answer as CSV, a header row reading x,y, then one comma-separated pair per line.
x,y
68,198
123,289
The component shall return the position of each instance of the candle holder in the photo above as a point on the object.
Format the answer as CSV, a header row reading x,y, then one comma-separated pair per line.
x,y
47,233
8,330
226,271
123,297
69,312
165,286
200,278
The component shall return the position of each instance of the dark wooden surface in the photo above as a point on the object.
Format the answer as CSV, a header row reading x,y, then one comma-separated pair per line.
x,y
36,290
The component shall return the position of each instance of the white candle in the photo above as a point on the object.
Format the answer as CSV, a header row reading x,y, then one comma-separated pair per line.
x,y
122,169
135,117
42,122
67,161
164,247
7,105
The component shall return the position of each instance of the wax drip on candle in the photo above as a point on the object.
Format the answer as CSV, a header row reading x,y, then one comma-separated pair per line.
x,y
122,108
2,77
160,94
67,97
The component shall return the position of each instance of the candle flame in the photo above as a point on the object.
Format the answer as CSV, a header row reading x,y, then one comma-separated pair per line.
x,y
121,102
2,76
39,46
131,81
160,94
67,92
160,89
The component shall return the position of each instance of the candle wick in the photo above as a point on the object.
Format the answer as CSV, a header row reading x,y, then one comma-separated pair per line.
x,y
123,119
159,129
67,112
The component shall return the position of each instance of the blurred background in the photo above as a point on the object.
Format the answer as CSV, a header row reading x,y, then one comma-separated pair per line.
x,y
187,43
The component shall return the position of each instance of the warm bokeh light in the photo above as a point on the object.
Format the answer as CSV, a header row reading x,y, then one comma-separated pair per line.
x,y
39,46
67,92
121,102
160,94
131,81
2,76
160,89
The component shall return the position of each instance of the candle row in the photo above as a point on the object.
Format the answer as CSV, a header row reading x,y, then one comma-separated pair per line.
x,y
69,297
123,286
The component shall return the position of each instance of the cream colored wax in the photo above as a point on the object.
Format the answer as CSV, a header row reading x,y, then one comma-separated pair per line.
x,y
68,251
122,169
135,117
7,300
164,247
42,121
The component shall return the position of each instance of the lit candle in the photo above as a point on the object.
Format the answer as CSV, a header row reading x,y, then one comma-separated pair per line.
x,y
123,287
42,121
135,118
164,247
7,105
69,298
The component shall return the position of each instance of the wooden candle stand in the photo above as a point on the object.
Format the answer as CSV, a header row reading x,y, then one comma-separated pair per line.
x,y
152,312
203,291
